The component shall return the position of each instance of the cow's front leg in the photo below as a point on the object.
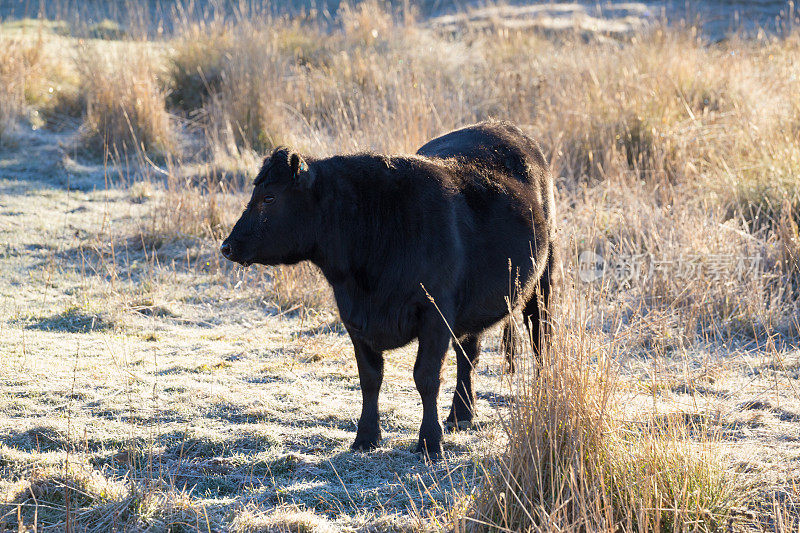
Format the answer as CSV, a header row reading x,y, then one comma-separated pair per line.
x,y
434,338
370,372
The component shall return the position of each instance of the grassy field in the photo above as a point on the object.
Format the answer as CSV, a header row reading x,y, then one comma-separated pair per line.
x,y
148,385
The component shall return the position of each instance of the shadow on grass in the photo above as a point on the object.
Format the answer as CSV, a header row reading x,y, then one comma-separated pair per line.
x,y
72,320
386,480
303,417
256,466
494,399
207,466
329,328
41,439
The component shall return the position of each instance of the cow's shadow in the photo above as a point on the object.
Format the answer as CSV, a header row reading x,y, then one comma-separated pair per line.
x,y
390,478
318,472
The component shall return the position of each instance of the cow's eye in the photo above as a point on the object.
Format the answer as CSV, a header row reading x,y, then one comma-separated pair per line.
x,y
268,199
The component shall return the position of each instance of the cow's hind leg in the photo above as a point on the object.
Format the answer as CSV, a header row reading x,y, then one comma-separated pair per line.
x,y
535,316
467,350
508,344
536,312
370,372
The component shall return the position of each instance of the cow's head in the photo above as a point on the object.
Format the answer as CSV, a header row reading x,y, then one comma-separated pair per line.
x,y
276,226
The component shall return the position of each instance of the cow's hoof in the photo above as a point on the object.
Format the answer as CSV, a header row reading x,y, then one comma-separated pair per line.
x,y
459,419
429,453
364,444
452,425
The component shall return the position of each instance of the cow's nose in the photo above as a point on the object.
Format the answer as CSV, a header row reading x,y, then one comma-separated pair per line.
x,y
225,249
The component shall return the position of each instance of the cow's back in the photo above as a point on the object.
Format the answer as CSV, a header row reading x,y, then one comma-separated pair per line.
x,y
491,144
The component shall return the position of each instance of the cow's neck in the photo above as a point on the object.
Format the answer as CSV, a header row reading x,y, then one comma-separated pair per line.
x,y
332,253
344,237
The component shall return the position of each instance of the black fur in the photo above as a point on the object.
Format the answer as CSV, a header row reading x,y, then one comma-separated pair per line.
x,y
465,223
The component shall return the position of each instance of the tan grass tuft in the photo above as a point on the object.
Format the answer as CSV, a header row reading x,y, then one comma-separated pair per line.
x,y
125,101
80,497
287,519
573,464
20,64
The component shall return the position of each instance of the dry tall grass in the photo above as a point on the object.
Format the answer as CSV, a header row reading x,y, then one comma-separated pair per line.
x,y
13,94
20,64
125,100
574,463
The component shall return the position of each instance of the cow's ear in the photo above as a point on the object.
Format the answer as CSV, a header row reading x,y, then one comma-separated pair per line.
x,y
300,171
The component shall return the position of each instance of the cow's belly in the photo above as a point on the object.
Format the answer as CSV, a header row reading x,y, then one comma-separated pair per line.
x,y
382,325
380,339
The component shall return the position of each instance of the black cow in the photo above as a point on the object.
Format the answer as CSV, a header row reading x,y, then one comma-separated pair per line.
x,y
428,246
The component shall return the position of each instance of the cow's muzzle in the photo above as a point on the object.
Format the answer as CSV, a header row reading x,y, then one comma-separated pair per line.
x,y
226,250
